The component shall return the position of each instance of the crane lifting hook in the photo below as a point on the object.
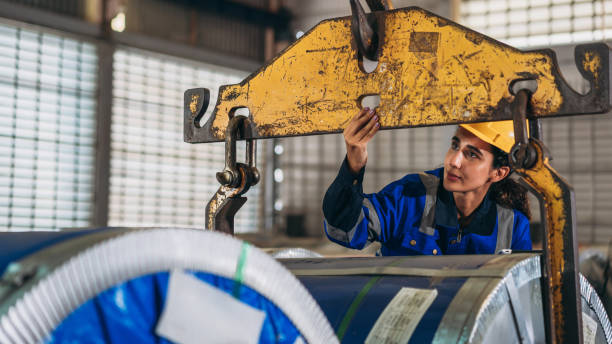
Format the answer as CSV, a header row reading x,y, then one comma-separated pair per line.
x,y
236,179
364,27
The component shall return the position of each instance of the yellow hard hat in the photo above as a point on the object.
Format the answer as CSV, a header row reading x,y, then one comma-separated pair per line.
x,y
499,134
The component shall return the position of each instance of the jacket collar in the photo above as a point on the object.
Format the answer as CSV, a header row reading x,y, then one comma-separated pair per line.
x,y
483,220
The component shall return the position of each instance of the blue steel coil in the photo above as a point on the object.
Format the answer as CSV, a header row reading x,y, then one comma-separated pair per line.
x,y
444,299
116,285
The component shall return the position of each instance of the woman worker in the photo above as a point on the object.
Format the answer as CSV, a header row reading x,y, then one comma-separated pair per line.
x,y
468,206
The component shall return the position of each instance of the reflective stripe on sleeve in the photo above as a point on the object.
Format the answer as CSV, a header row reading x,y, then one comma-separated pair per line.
x,y
373,227
505,226
431,183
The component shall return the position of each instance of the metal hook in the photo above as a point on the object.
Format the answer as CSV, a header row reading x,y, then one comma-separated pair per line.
x,y
364,27
231,176
236,179
522,155
364,31
380,5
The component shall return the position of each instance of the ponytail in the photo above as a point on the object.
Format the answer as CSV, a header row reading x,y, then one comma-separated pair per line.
x,y
507,192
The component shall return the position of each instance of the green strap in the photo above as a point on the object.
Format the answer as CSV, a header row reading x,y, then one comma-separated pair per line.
x,y
353,307
240,269
350,313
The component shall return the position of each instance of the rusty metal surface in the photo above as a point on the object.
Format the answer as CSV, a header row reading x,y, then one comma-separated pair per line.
x,y
236,179
431,71
530,158
521,154
364,27
364,30
561,292
222,208
380,5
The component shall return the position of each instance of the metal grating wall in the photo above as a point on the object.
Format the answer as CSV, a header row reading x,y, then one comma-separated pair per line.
x,y
523,23
156,179
47,129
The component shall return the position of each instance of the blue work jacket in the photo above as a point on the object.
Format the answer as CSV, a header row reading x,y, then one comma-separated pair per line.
x,y
417,216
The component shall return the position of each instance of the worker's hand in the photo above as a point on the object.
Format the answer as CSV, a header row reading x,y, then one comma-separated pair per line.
x,y
357,134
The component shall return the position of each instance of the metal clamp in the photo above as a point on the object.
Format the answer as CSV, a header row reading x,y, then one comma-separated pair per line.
x,y
234,173
236,179
522,154
364,27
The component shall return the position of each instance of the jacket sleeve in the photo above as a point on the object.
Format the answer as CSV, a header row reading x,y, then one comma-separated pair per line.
x,y
351,218
521,238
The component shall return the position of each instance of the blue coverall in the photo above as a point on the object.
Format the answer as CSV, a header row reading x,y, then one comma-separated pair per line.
x,y
417,216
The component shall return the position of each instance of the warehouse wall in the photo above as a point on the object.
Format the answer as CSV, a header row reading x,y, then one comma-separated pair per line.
x,y
195,26
92,128
222,26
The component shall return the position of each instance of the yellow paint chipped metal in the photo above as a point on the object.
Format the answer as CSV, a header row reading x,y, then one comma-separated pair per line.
x,y
429,69
216,202
193,105
592,63
541,177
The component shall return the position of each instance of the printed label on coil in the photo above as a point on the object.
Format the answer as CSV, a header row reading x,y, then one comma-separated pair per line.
x,y
197,312
401,316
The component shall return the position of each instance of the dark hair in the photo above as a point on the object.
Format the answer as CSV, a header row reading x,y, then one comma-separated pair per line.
x,y
507,192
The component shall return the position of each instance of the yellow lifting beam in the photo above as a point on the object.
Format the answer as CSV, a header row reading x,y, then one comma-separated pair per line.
x,y
430,71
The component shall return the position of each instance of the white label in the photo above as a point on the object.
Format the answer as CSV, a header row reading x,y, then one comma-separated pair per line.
x,y
196,312
401,316
589,329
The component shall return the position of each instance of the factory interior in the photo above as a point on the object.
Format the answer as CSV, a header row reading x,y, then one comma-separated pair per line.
x,y
195,171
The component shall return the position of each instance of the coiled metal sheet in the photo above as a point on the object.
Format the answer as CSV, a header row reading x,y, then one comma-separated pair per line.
x,y
478,298
43,288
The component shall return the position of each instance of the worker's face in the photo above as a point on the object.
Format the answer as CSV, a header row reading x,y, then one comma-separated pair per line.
x,y
468,165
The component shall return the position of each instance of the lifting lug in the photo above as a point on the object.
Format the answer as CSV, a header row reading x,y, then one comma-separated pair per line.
x,y
363,28
522,154
236,179
380,5
231,175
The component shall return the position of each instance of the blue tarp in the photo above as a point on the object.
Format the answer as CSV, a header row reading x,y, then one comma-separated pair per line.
x,y
129,312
